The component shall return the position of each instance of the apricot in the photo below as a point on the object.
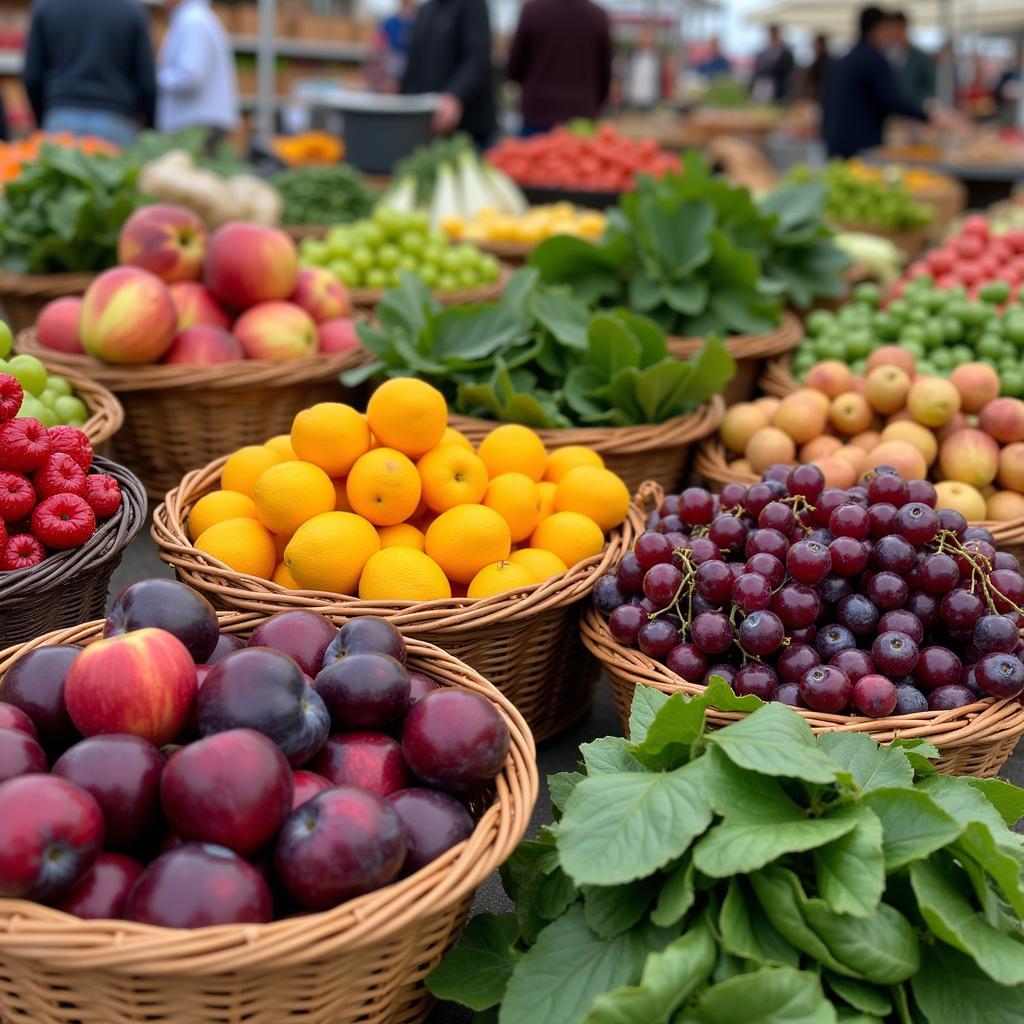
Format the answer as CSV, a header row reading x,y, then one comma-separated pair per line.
x,y
850,413
892,355
742,466
933,401
818,397
913,433
837,472
962,497
801,418
1003,419
768,404
958,422
1004,506
970,456
856,457
740,424
830,377
1011,467
866,439
886,389
820,447
902,456
768,446
978,385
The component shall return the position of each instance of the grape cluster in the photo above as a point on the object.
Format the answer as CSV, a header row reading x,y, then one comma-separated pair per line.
x,y
866,600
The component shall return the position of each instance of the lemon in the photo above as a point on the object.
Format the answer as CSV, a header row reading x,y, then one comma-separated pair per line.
x,y
403,574
499,579
328,552
215,508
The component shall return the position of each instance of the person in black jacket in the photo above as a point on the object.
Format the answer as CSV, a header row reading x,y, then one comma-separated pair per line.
x,y
89,68
450,54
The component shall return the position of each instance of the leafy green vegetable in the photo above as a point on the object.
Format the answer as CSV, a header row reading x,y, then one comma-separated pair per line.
x,y
334,194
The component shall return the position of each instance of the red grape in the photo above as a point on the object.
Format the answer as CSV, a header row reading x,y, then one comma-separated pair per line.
x,y
687,662
657,638
797,605
937,666
794,661
631,574
849,521
949,698
917,522
751,592
808,561
832,639
761,633
894,653
806,480
757,679
849,556
625,623
1000,675
661,584
874,696
696,506
855,663
714,581
652,549
902,621
712,632
826,688
767,566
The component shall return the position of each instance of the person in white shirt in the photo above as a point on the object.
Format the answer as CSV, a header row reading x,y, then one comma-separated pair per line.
x,y
196,73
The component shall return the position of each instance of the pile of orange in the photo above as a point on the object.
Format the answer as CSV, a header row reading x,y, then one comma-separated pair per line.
x,y
394,505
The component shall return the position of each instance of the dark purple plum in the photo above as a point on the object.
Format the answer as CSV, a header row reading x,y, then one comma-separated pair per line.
x,y
366,636
364,691
168,605
433,824
302,635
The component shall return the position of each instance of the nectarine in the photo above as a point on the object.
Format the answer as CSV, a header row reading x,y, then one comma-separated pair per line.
x,y
962,497
886,389
977,383
831,377
933,401
768,446
902,456
970,456
740,424
850,413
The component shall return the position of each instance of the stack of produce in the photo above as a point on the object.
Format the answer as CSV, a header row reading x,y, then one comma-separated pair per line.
x,y
47,397
16,154
281,787
537,224
324,195
396,506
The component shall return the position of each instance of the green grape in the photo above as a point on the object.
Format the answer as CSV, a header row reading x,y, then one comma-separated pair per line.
x,y
30,372
990,346
6,339
388,257
1012,383
412,242
32,408
345,272
430,276
447,283
376,278
373,235
409,262
49,398
362,259
60,385
451,261
68,408
859,366
942,358
468,277
490,269
926,369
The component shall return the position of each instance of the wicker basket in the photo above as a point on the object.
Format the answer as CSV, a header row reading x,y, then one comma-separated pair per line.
x,y
22,296
526,642
948,201
363,962
777,380
650,452
71,586
367,298
300,232
106,414
180,417
750,351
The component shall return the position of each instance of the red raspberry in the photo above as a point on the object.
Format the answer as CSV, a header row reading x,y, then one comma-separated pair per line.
x,y
11,397
17,497
63,521
24,445
3,534
71,441
103,493
21,551
60,475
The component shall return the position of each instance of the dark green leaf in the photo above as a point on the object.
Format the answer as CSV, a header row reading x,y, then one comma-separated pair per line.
x,y
478,332
688,297
913,825
560,787
712,368
1007,799
676,897
674,729
645,293
611,910
772,995
850,871
872,766
977,844
676,234
866,998
950,989
564,316
476,973
611,346
963,802
747,933
533,878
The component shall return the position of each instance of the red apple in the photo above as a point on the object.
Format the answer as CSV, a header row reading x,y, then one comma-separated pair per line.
x,y
169,241
35,685
142,683
276,331
307,785
20,754
433,823
321,294
127,316
204,345
57,326
103,892
247,264
196,304
337,336
303,636
369,760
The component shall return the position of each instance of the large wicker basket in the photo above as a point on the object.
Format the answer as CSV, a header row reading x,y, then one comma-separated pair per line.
x,y
106,414
71,586
180,417
23,296
750,351
777,380
363,962
526,642
656,451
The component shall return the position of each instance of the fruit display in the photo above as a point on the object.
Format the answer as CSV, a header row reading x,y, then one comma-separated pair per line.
x,y
396,506
40,395
196,780
605,161
373,253
334,194
537,224
866,600
49,499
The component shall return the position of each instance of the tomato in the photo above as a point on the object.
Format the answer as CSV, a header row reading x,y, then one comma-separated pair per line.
x,y
976,225
941,261
969,246
1015,239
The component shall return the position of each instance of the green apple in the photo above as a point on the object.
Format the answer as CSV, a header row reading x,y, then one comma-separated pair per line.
x,y
30,372
69,408
6,340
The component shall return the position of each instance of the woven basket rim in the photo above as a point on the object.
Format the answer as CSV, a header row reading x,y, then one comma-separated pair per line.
x,y
55,286
783,338
46,935
364,298
106,414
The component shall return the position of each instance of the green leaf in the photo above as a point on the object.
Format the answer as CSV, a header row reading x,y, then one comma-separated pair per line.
x,y
719,694
746,796
872,766
772,995
677,233
674,729
560,787
747,933
712,367
978,845
478,331
687,297
776,741
913,825
866,998
919,754
611,346
850,871
534,879
611,910
950,989
962,801
609,755
647,702
677,895
477,971
645,293
1006,798
563,316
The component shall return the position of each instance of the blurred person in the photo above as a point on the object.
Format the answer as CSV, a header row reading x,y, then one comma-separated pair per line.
x,y
450,54
1008,88
642,82
773,70
395,34
89,68
817,70
915,70
561,56
715,64
196,74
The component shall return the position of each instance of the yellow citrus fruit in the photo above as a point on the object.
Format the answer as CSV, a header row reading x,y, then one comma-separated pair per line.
x,y
280,543
466,538
456,437
283,578
329,551
516,498
547,497
514,449
596,493
570,535
561,460
384,487
215,508
543,564
244,467
401,535
244,545
341,502
282,444
408,415
290,493
403,574
330,435
451,476
499,579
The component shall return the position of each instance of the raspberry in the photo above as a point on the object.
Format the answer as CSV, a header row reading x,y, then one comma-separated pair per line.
x,y
63,521
60,475
17,497
103,493
21,551
3,534
24,445
11,396
71,441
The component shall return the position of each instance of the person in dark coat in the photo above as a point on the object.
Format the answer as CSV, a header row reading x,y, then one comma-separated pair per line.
x,y
450,54
561,55
915,70
773,70
817,70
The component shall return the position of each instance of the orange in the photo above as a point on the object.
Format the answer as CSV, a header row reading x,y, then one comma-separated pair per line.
x,y
514,449
543,564
329,551
547,497
499,579
570,535
244,467
451,476
215,508
244,545
283,578
408,415
561,460
282,444
456,437
516,498
290,493
403,574
341,502
466,538
330,435
596,493
384,487
402,535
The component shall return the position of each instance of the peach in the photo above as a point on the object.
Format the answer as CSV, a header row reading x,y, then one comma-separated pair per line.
x,y
801,418
768,404
204,345
127,316
969,456
1011,467
933,401
886,389
837,472
902,456
321,294
57,326
819,398
850,413
958,422
855,457
892,355
978,385
196,304
820,448
867,439
166,240
277,331
831,377
339,335
988,491
742,466
962,497
768,446
1004,506
247,264
913,433
1003,419
740,424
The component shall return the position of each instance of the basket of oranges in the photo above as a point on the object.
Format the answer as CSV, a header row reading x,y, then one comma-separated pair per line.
x,y
488,552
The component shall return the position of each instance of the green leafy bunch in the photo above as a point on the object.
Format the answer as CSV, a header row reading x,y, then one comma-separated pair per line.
x,y
754,875
424,163
539,357
700,256
324,194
